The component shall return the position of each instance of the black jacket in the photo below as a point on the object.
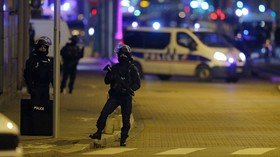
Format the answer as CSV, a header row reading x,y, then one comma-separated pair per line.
x,y
71,53
38,71
123,80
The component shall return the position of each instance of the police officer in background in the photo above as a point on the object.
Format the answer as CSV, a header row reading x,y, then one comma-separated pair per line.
x,y
124,79
71,54
38,72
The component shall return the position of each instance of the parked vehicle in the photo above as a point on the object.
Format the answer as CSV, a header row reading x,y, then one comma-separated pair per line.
x,y
45,27
9,138
180,51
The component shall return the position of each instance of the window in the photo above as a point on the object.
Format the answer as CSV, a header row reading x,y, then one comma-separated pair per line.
x,y
147,40
212,39
156,40
184,39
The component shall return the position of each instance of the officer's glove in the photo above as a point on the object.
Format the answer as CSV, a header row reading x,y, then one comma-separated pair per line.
x,y
128,91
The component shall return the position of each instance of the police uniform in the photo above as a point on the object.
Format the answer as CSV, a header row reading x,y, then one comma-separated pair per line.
x,y
71,53
38,71
124,79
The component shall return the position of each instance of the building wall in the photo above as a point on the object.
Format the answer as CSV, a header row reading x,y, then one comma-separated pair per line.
x,y
10,58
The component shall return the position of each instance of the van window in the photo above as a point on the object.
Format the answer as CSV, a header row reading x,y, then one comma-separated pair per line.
x,y
147,40
212,39
183,39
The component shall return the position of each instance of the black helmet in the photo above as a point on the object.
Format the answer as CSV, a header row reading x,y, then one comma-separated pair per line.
x,y
124,53
42,45
75,39
44,40
123,49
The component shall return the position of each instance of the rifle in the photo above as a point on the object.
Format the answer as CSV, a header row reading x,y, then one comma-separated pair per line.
x,y
120,85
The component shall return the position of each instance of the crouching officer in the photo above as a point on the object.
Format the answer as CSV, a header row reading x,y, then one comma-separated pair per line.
x,y
38,72
124,79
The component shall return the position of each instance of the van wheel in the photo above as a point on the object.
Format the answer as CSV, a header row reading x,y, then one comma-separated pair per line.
x,y
203,73
164,77
139,67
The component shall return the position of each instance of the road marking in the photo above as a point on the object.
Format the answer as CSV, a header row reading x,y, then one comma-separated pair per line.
x,y
180,151
252,151
109,151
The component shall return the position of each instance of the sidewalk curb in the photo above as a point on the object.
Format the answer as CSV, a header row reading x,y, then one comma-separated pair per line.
x,y
77,147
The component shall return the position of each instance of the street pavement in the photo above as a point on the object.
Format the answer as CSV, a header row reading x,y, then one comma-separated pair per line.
x,y
79,112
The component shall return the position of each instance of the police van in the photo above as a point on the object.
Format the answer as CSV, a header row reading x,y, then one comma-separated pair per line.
x,y
181,51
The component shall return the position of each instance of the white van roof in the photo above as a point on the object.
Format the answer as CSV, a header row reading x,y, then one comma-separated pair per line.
x,y
45,27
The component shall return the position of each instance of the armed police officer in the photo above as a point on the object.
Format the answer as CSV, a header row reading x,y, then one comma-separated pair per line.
x,y
124,79
71,53
38,72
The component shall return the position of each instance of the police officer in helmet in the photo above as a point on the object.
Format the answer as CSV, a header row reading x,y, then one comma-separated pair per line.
x,y
124,79
38,72
71,53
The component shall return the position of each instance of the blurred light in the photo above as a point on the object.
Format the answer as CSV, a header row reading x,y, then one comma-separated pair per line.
x,y
263,50
82,33
80,16
52,7
194,4
91,31
262,23
204,5
220,56
261,8
156,25
131,9
230,60
4,7
238,12
134,24
93,11
273,14
219,12
144,3
242,56
182,14
10,125
222,16
65,7
75,32
196,25
187,9
213,16
160,1
245,32
125,3
238,36
239,4
137,12
245,11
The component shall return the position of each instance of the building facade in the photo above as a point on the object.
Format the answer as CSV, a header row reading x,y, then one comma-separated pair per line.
x,y
14,23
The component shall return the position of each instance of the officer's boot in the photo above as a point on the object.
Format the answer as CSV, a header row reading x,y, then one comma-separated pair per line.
x,y
123,141
96,135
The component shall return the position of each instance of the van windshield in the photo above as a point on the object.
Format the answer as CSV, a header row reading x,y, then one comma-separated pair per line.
x,y
212,39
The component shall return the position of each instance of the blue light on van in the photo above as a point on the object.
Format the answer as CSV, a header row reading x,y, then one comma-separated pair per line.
x,y
231,60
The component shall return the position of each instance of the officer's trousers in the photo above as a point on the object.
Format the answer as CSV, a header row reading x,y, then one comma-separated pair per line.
x,y
112,103
40,93
71,73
